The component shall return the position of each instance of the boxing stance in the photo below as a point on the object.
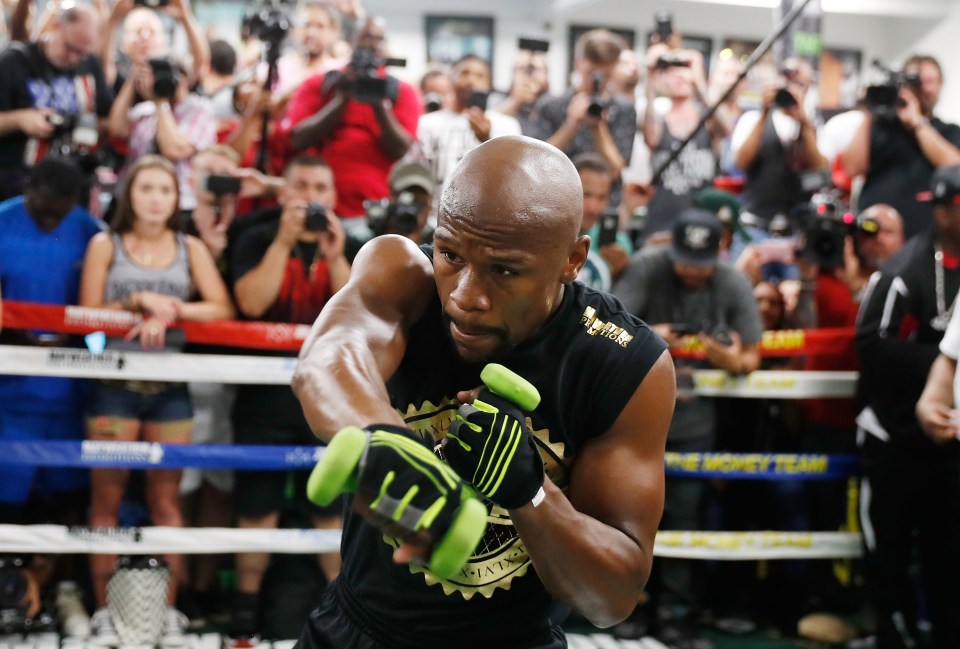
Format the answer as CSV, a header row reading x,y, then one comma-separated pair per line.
x,y
573,489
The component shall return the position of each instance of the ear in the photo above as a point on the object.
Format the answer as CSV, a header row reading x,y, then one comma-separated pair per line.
x,y
576,258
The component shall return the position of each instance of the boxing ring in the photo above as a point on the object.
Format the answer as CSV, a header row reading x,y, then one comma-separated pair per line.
x,y
275,370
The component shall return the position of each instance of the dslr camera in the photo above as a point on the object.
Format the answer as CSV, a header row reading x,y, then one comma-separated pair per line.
x,y
316,219
597,103
166,77
267,21
368,86
401,216
75,136
883,99
824,227
784,99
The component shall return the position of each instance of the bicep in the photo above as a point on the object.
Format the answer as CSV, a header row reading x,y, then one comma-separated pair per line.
x,y
618,478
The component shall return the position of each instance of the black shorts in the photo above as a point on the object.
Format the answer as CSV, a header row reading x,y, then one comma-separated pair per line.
x,y
258,493
329,627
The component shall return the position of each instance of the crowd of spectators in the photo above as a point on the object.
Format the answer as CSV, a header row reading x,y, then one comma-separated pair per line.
x,y
146,167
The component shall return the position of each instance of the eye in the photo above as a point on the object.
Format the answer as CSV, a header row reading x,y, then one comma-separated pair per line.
x,y
450,256
503,271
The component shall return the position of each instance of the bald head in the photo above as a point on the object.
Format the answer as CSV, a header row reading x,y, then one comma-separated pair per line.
x,y
76,35
516,182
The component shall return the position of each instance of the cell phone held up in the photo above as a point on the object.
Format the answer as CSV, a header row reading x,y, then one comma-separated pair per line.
x,y
221,185
479,99
609,224
316,220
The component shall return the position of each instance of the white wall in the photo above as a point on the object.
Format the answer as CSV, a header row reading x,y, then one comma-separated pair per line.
x,y
942,42
877,37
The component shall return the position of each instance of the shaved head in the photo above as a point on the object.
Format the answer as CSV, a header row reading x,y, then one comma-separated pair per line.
x,y
507,243
517,182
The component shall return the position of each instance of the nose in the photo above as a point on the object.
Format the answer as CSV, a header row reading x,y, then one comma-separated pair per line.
x,y
469,294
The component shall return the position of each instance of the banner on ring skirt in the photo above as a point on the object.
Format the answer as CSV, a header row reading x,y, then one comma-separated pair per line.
x,y
761,466
152,455
290,337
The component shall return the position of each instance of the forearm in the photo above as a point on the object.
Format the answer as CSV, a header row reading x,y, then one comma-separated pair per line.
x,y
118,122
170,141
598,570
812,158
314,130
258,289
18,21
936,148
206,310
751,146
339,272
199,48
393,137
939,387
108,51
10,121
603,142
246,135
563,136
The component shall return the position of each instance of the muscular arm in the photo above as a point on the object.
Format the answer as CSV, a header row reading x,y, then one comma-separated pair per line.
x,y
594,550
360,337
936,148
313,130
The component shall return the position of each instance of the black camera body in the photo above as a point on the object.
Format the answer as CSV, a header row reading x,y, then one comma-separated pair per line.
x,y
368,86
669,62
597,103
823,232
221,185
166,78
478,99
883,99
151,4
75,136
394,217
316,220
784,99
432,102
533,44
664,25
268,21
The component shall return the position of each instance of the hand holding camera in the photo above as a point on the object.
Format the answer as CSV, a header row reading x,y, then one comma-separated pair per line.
x,y
35,122
723,349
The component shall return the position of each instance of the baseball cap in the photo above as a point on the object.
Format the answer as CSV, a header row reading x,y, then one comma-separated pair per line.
x,y
696,238
944,187
722,203
405,175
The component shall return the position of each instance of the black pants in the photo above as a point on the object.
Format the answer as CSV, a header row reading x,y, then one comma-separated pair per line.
x,y
329,627
910,496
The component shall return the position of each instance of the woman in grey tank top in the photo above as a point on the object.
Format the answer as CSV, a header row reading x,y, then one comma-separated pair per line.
x,y
143,264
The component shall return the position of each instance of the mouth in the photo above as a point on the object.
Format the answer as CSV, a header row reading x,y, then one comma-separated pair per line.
x,y
467,335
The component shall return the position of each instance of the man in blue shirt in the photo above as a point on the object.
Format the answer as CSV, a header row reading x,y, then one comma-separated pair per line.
x,y
43,238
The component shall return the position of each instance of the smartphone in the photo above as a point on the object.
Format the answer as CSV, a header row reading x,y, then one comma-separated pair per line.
x,y
533,44
664,22
221,185
478,98
609,224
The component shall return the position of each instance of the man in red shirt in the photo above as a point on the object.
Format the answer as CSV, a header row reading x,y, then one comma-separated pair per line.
x,y
359,134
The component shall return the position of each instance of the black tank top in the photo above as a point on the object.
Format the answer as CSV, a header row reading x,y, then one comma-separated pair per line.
x,y
587,362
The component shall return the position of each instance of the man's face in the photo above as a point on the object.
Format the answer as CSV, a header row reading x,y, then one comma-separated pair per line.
x,y
588,69
372,36
74,40
677,82
693,277
876,248
309,183
770,305
627,73
316,31
470,76
930,84
534,65
143,35
497,285
596,195
46,209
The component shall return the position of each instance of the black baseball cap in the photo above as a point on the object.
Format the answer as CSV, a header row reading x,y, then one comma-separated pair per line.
x,y
696,238
944,187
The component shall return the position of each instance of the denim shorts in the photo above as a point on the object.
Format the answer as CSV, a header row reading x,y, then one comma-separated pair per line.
x,y
126,400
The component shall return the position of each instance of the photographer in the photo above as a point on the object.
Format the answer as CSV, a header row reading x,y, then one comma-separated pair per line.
x,y
670,73
406,211
284,270
54,80
529,83
689,297
898,147
169,121
361,120
774,146
588,117
445,136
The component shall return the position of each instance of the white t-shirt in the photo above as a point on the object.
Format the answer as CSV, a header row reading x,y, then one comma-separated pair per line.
x,y
837,133
444,137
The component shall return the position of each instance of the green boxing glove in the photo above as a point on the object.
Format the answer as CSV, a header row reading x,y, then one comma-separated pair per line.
x,y
409,483
493,449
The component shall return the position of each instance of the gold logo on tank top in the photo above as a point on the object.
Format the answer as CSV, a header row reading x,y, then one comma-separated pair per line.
x,y
501,555
597,327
